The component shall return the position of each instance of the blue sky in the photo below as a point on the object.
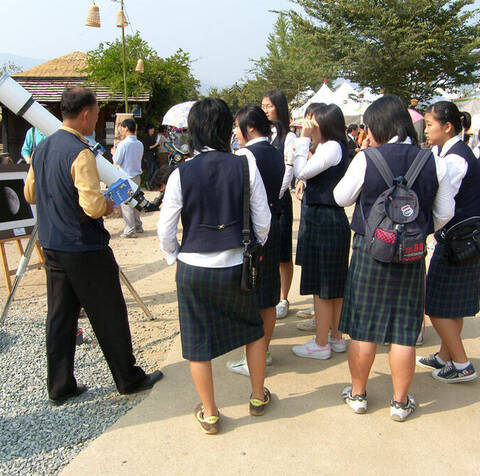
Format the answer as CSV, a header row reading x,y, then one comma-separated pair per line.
x,y
222,35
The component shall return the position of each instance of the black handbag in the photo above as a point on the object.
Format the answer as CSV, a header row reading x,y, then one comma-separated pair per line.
x,y
253,252
463,240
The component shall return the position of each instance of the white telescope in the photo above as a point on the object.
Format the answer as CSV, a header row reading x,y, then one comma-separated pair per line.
x,y
21,103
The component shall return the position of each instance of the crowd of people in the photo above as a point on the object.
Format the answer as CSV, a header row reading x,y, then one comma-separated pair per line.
x,y
372,302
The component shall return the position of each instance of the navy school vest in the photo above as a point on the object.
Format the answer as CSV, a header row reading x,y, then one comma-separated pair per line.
x,y
62,223
467,200
212,192
271,166
399,157
319,190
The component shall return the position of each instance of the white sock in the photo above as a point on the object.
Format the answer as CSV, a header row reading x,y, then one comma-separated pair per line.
x,y
439,360
461,366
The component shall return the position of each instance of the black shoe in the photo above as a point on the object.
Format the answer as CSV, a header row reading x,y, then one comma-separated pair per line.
x,y
148,382
56,402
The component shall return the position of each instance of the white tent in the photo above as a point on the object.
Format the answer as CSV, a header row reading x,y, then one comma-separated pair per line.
x,y
324,94
471,104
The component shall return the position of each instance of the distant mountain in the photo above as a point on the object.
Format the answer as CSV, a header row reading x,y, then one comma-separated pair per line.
x,y
21,61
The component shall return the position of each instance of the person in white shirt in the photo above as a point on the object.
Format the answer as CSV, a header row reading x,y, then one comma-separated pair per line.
x,y
215,317
324,235
452,288
128,156
384,302
275,105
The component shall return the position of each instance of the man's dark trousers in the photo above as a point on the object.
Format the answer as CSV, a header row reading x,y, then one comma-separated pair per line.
x,y
90,280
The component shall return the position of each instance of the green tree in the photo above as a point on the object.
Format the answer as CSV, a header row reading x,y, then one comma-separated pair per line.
x,y
406,47
169,80
291,64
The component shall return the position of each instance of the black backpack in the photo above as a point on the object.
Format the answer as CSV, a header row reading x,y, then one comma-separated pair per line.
x,y
393,232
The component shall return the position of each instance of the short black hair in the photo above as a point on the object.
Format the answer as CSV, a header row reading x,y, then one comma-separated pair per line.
x,y
331,122
130,124
279,100
150,126
312,107
74,100
210,123
252,115
446,111
388,117
160,177
351,128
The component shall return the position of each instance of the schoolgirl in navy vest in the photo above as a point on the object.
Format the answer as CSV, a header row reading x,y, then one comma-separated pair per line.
x,y
384,301
452,289
309,313
325,237
252,130
207,192
275,105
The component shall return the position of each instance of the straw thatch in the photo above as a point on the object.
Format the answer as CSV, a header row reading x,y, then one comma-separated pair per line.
x,y
70,65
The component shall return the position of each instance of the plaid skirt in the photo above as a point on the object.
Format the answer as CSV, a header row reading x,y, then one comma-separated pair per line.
x,y
383,301
301,231
286,226
215,317
452,289
325,244
268,293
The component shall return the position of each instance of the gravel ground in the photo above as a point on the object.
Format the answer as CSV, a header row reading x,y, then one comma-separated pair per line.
x,y
36,438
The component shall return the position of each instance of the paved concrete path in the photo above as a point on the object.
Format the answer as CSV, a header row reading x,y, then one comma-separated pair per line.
x,y
307,430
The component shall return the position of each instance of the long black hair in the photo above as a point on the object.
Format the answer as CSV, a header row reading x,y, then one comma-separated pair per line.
x,y
252,115
312,107
281,106
388,117
210,123
446,111
331,122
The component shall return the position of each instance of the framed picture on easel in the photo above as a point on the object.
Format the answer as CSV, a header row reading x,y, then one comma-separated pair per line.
x,y
17,216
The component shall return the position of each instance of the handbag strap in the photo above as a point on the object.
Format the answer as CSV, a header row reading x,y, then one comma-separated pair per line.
x,y
246,202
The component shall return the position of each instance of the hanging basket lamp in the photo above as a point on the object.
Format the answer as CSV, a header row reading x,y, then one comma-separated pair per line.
x,y
93,16
121,19
140,68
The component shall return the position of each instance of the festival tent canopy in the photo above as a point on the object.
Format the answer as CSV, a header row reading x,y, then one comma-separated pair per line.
x,y
471,104
324,94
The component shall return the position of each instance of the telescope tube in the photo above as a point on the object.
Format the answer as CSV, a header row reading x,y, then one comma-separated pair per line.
x,y
21,103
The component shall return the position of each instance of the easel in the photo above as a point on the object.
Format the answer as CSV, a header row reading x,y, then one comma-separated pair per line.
x,y
7,271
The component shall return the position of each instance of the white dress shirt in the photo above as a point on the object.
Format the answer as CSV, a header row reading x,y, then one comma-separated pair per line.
x,y
348,189
170,213
128,156
288,156
326,155
457,166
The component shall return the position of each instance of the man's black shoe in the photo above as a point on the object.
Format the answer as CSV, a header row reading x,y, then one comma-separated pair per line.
x,y
56,402
148,382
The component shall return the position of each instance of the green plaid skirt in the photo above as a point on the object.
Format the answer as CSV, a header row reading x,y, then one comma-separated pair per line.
x,y
268,293
286,226
215,317
452,289
383,301
324,241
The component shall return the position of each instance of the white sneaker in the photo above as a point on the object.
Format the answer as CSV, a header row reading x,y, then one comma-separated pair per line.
x,y
312,350
338,345
310,325
358,403
239,366
401,411
282,309
306,313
